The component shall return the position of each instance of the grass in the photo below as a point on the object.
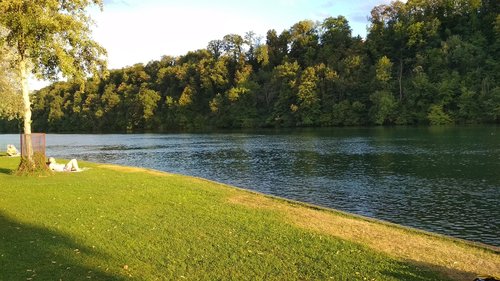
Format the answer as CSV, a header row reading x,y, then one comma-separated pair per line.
x,y
122,223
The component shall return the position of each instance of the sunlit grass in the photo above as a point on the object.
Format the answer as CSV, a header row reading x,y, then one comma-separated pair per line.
x,y
113,223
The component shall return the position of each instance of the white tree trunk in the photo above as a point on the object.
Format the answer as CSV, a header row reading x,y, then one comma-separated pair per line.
x,y
400,79
28,149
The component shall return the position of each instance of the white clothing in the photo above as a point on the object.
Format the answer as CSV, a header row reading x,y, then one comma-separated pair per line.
x,y
72,166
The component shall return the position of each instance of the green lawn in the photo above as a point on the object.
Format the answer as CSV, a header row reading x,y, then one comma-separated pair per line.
x,y
114,224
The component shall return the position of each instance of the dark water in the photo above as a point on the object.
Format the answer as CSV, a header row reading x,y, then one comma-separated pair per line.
x,y
445,180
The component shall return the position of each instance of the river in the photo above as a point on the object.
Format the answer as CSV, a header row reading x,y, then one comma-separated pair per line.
x,y
444,180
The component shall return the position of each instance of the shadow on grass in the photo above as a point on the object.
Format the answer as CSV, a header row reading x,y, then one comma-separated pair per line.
x,y
431,269
6,171
8,165
32,253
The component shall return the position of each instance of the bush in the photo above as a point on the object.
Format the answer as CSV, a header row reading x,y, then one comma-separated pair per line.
x,y
437,116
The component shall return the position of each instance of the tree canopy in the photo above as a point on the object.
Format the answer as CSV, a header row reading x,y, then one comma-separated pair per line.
x,y
423,62
53,35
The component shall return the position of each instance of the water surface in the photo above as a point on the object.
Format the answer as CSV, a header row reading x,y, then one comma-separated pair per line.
x,y
445,180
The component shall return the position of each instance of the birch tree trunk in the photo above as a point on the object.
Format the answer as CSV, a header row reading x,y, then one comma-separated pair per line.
x,y
28,148
400,79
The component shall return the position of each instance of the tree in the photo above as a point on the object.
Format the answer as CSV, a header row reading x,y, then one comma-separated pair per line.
x,y
10,94
277,46
216,47
49,38
383,107
384,69
147,100
304,42
285,82
232,44
437,116
422,62
335,39
308,102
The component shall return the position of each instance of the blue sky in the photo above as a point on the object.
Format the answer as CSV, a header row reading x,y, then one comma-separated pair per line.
x,y
138,31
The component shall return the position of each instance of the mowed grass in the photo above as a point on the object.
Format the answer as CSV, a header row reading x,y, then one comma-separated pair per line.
x,y
120,223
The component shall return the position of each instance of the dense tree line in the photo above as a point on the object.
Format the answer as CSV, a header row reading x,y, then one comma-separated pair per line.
x,y
423,62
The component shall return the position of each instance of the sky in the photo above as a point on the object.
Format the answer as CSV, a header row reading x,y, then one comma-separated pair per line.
x,y
138,31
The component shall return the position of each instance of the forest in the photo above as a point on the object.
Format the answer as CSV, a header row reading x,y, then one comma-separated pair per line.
x,y
431,62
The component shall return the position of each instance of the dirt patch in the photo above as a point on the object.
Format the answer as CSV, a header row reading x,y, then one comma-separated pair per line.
x,y
252,201
127,169
454,259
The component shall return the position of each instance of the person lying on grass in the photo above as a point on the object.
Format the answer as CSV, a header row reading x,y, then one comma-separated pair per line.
x,y
71,166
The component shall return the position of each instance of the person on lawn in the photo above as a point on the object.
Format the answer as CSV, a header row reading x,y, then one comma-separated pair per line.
x,y
71,166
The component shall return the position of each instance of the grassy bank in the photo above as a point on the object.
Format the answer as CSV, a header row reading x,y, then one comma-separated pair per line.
x,y
114,223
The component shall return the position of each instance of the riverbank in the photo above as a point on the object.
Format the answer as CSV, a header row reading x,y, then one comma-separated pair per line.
x,y
112,223
440,180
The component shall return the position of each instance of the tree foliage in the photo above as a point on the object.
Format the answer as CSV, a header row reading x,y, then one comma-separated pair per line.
x,y
53,35
48,38
423,62
10,93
